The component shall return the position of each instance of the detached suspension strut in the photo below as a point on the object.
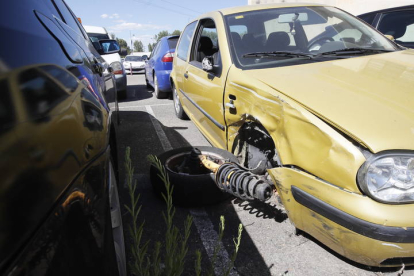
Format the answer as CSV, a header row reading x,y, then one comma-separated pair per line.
x,y
237,180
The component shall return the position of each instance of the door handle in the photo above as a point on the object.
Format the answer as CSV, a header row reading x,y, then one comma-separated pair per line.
x,y
231,105
186,75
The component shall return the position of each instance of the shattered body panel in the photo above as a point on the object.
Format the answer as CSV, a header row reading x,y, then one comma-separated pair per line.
x,y
296,132
346,242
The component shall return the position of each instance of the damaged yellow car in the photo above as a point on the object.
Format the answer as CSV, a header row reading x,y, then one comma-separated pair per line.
x,y
322,105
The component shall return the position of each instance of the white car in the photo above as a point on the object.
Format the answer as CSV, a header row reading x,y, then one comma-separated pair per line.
x,y
134,62
114,60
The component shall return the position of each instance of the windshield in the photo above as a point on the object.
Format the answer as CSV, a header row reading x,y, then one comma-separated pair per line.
x,y
134,58
306,32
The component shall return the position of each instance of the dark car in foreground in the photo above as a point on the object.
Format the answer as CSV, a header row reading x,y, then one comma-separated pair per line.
x,y
397,22
158,67
59,206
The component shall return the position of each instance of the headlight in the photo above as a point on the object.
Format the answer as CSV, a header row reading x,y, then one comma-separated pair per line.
x,y
388,177
117,66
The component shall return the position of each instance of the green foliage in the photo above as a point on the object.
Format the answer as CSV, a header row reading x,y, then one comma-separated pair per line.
x,y
175,244
237,242
173,251
160,35
150,47
139,264
138,46
210,34
122,43
176,32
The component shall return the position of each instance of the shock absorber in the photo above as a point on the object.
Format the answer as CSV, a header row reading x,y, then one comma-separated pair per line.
x,y
238,181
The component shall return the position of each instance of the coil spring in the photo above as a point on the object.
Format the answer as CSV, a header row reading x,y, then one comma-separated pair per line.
x,y
238,181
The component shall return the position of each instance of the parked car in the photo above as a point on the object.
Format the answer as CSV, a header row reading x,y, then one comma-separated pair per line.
x,y
320,105
59,206
159,66
144,55
114,60
137,63
397,22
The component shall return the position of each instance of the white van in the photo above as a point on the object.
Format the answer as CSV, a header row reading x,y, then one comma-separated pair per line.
x,y
114,60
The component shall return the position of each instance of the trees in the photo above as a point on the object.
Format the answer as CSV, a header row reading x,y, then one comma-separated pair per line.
x,y
138,46
122,43
160,35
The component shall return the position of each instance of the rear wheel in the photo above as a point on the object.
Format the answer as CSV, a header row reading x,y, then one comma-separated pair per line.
x,y
179,111
191,186
157,92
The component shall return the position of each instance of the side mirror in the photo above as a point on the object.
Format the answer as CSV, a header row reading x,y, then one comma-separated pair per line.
x,y
109,46
208,64
123,52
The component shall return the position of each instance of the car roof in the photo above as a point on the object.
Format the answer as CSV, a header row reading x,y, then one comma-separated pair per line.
x,y
170,36
390,9
247,8
95,29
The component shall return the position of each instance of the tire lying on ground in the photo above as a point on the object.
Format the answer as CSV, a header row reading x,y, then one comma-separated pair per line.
x,y
191,187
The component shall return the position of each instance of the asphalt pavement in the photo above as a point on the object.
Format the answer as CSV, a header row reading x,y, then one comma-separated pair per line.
x,y
269,243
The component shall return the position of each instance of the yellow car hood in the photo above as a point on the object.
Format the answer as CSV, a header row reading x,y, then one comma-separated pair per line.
x,y
370,98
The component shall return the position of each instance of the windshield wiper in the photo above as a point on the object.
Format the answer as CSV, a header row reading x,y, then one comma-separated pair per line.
x,y
277,54
353,51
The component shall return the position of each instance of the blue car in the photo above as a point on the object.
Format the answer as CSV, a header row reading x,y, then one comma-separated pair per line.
x,y
159,66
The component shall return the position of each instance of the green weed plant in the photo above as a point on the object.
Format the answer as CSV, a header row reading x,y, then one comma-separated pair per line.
x,y
168,258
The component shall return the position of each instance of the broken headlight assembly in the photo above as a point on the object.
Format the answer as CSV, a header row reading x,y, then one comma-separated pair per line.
x,y
388,177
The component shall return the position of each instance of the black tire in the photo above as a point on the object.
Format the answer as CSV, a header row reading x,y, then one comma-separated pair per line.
x,y
190,190
158,94
178,108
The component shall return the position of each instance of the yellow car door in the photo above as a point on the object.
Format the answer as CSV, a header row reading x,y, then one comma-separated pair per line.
x,y
204,89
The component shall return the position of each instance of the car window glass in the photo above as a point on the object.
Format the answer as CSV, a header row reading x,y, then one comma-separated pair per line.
x,y
304,30
109,46
240,29
400,25
68,80
67,16
157,49
273,26
369,18
133,58
154,50
172,42
207,42
40,93
211,32
7,115
184,45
